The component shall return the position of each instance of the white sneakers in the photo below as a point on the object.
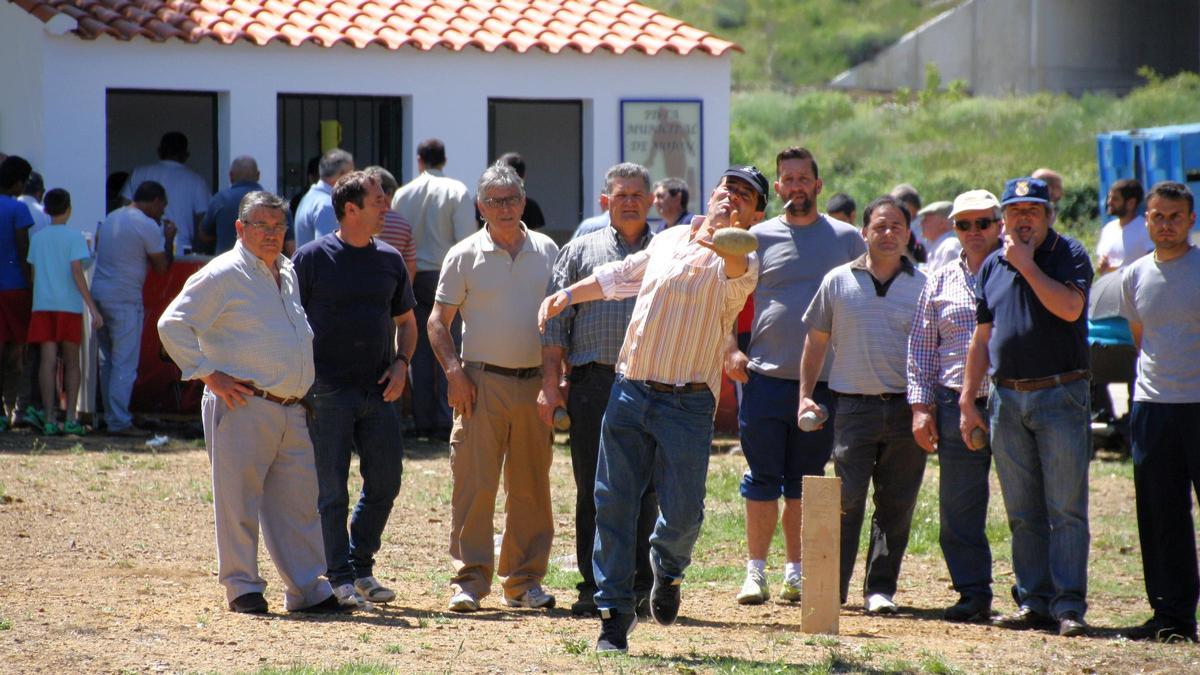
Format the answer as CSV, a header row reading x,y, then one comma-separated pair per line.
x,y
754,589
534,598
373,591
347,596
791,589
463,602
879,603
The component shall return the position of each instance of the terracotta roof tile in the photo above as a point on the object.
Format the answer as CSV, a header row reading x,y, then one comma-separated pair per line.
x,y
617,26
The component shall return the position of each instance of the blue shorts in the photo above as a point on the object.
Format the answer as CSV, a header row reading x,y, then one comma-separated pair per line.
x,y
778,453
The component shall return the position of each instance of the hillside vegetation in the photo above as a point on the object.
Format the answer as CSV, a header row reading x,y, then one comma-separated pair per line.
x,y
794,43
944,142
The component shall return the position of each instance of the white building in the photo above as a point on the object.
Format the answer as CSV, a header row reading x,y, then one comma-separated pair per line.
x,y
89,86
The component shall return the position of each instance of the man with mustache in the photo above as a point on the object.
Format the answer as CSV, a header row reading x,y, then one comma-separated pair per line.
x,y
795,250
1031,339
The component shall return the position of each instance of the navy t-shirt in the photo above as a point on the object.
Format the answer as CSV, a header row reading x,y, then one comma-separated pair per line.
x,y
1028,341
350,295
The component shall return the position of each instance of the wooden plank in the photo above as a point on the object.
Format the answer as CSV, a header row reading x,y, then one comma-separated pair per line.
x,y
821,524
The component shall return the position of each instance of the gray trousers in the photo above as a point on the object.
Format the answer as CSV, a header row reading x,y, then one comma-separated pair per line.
x,y
263,475
873,444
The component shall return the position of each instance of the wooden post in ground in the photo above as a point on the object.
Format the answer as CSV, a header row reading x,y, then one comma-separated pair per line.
x,y
820,536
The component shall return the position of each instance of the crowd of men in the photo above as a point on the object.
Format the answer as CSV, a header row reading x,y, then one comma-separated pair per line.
x,y
969,340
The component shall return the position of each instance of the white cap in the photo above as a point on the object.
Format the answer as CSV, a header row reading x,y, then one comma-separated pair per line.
x,y
974,200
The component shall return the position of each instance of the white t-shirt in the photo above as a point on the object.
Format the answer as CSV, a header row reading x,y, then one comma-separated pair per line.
x,y
187,195
40,219
123,242
1123,245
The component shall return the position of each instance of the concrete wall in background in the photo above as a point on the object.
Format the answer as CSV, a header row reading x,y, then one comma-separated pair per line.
x,y
1022,46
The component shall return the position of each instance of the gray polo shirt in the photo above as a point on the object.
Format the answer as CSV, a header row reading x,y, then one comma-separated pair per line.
x,y
1162,297
868,323
793,262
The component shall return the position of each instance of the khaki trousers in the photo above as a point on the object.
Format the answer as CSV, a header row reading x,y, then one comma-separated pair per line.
x,y
503,437
263,474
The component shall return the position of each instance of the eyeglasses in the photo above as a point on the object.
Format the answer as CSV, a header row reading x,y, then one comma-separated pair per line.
x,y
268,229
502,202
980,224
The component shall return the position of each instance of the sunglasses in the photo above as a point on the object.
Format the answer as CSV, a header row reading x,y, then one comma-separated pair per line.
x,y
979,223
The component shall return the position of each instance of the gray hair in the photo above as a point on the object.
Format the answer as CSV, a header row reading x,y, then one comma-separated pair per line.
x,y
335,162
386,180
244,167
260,200
498,175
625,170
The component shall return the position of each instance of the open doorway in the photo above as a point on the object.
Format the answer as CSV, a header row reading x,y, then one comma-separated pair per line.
x,y
549,135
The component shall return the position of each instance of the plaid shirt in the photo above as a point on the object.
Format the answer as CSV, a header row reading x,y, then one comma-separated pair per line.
x,y
591,331
941,333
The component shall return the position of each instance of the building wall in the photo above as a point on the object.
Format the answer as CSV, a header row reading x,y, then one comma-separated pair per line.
x,y
446,92
1022,46
21,40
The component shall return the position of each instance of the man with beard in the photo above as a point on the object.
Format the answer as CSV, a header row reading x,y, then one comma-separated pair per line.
x,y
1124,238
796,250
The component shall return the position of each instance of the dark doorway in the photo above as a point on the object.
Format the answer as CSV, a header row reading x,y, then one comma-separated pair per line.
x,y
549,135
371,129
136,119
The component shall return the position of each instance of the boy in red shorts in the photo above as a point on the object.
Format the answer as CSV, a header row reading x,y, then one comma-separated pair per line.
x,y
60,291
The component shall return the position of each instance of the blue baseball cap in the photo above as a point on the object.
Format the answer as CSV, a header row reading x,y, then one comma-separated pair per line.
x,y
751,175
1025,189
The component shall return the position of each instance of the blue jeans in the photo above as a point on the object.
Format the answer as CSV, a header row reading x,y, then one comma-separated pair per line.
x,y
649,436
779,455
354,419
962,504
1166,471
1042,444
873,444
120,342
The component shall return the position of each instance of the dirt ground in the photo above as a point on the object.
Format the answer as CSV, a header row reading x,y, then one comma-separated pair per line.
x,y
108,565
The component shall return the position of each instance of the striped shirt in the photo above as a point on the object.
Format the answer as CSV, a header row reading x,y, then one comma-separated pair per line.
x,y
398,233
591,332
230,316
868,324
941,333
685,308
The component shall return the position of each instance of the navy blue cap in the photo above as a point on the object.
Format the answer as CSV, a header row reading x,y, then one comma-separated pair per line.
x,y
751,175
1025,190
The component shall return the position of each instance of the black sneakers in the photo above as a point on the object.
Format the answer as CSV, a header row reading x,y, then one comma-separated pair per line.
x,y
969,611
664,597
1158,630
614,632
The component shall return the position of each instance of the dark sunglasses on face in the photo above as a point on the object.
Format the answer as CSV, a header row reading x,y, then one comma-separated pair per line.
x,y
979,223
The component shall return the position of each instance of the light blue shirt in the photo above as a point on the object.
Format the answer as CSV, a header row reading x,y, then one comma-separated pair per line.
x,y
314,215
589,225
51,252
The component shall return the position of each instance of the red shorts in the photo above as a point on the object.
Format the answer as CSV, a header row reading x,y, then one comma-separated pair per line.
x,y
14,315
55,327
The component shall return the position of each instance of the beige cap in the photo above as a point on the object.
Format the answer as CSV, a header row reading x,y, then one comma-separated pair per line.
x,y
974,200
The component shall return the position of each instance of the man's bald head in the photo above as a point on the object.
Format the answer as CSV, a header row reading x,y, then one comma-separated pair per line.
x,y
243,168
1053,180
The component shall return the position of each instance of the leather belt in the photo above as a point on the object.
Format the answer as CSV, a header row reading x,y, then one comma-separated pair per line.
x,y
285,402
979,402
1039,383
676,388
519,373
593,365
885,396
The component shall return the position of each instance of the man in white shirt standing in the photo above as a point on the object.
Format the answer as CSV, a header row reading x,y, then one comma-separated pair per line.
x,y
314,215
128,239
936,230
442,214
1124,238
238,326
187,193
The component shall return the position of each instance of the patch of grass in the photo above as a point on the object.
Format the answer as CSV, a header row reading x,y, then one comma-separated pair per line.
x,y
559,578
356,668
393,648
76,449
201,490
936,664
5,623
364,637
576,646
